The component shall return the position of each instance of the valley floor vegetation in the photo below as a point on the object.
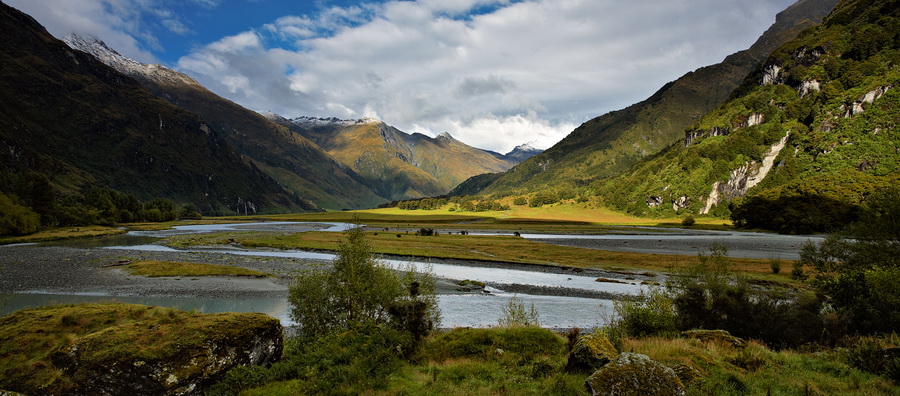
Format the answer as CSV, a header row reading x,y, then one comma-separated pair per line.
x,y
762,341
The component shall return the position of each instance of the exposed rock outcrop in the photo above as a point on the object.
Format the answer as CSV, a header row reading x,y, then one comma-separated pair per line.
x,y
590,353
634,374
745,177
120,349
106,362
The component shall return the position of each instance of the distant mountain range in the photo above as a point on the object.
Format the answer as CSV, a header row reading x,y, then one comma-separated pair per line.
x,y
153,148
396,164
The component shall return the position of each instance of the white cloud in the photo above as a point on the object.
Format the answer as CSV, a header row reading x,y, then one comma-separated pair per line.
x,y
117,22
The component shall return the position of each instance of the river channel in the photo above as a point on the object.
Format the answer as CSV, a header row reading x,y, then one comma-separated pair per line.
x,y
563,298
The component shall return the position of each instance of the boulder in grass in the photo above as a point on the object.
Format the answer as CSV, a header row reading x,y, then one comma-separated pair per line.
x,y
721,336
590,353
633,374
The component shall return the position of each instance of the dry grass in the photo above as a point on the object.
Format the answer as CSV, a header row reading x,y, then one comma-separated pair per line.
x,y
487,248
156,268
61,233
757,370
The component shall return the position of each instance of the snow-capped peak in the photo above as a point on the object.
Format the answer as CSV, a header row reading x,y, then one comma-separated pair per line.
x,y
444,135
310,122
124,65
530,146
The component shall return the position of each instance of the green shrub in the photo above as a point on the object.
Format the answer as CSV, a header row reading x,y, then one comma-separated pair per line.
x,y
652,313
859,270
17,219
515,314
360,290
688,221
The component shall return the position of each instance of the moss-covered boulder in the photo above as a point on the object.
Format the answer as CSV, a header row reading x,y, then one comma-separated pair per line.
x,y
721,336
686,373
125,348
634,374
590,353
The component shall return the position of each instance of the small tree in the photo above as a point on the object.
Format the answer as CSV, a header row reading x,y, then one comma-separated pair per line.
x,y
688,221
359,290
515,314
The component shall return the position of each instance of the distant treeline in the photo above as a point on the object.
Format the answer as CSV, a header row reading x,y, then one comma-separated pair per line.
x,y
28,202
470,203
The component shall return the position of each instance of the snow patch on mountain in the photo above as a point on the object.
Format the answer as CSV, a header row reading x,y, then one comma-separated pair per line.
x,y
524,151
313,122
124,65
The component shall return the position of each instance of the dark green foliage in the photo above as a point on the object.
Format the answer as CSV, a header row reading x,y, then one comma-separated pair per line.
x,y
16,219
877,355
710,296
652,313
859,270
359,290
794,215
519,341
425,232
345,363
688,221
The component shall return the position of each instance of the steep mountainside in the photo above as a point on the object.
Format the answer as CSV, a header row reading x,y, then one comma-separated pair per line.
x,y
802,143
607,145
396,164
288,157
81,123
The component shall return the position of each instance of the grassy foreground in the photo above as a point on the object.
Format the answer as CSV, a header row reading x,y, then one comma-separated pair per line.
x,y
532,361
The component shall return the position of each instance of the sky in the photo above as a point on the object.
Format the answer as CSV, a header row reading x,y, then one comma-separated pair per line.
x,y
492,73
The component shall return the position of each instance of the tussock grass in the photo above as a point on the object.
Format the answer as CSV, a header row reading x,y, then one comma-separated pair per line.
x,y
156,268
62,233
757,370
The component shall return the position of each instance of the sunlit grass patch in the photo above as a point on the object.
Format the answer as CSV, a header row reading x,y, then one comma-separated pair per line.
x,y
758,370
61,233
155,268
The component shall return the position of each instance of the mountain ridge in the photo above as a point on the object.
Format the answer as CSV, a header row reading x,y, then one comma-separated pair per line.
x,y
289,158
800,145
607,145
84,124
399,165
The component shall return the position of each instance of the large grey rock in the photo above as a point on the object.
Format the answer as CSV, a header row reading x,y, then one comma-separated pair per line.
x,y
634,374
